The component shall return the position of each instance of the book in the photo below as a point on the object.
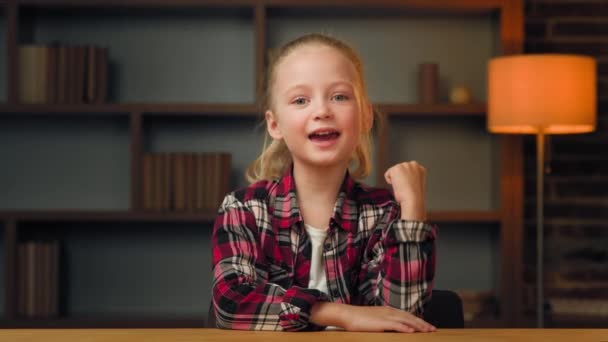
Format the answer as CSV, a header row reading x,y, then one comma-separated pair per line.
x,y
52,77
30,272
225,179
54,286
62,72
167,181
33,74
158,182
179,182
79,89
190,181
200,181
91,76
207,181
21,280
147,181
102,68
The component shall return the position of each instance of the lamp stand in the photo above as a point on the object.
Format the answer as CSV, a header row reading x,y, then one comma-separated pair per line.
x,y
540,172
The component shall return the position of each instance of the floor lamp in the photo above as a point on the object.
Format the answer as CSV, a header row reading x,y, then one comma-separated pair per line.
x,y
541,94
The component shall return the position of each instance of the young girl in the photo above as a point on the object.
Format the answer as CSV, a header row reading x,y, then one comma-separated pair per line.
x,y
305,246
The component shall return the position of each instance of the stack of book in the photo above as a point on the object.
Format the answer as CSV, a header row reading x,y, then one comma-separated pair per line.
x,y
595,308
578,300
185,181
38,279
54,74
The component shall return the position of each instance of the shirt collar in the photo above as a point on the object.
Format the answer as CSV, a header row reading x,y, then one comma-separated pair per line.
x,y
287,211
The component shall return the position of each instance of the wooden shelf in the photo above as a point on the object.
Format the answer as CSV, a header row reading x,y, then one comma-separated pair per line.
x,y
447,6
192,109
106,216
207,216
436,6
106,321
136,3
441,109
202,109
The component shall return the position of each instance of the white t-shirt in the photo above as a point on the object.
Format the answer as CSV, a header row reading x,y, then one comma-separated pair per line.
x,y
317,280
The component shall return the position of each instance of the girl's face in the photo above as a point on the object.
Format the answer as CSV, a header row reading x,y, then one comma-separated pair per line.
x,y
314,109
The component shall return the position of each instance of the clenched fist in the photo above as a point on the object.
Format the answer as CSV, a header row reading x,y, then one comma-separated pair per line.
x,y
409,186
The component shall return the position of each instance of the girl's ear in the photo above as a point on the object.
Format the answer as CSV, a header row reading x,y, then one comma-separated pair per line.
x,y
272,125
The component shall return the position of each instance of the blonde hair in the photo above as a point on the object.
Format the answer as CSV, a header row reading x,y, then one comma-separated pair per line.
x,y
275,156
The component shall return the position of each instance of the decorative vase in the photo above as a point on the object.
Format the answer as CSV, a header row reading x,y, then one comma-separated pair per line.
x,y
428,83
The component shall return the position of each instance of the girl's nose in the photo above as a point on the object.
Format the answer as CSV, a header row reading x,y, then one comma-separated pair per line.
x,y
322,111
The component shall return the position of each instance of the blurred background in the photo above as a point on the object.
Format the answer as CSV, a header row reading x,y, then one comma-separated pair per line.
x,y
123,124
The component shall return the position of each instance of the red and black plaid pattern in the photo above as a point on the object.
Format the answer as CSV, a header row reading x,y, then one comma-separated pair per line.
x,y
261,256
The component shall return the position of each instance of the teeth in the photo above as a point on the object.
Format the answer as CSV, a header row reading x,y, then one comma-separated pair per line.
x,y
324,133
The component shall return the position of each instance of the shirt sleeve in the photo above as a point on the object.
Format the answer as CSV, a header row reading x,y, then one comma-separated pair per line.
x,y
242,296
398,268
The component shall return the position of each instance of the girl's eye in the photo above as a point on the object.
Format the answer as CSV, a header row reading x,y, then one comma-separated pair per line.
x,y
299,101
340,97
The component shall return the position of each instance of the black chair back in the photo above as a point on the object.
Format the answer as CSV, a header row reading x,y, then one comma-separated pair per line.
x,y
444,310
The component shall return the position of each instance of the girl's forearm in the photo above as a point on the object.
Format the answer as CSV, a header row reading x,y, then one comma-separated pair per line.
x,y
327,313
413,211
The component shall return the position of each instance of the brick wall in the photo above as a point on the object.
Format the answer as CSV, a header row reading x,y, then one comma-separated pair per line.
x,y
576,187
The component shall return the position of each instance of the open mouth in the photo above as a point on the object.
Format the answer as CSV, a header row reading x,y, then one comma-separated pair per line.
x,y
324,135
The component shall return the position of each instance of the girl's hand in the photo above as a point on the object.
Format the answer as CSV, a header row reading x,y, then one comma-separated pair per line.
x,y
384,318
409,185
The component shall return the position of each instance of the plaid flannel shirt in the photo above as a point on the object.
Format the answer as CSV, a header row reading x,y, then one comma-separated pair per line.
x,y
261,256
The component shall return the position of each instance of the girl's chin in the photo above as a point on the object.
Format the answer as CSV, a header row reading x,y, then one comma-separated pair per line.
x,y
326,162
328,158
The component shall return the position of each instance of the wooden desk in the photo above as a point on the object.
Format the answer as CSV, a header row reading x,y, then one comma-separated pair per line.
x,y
216,335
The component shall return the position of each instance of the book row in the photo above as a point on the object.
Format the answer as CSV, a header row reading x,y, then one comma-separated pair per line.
x,y
38,279
185,181
55,74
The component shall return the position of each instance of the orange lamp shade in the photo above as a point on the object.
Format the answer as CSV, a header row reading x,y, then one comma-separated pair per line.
x,y
543,93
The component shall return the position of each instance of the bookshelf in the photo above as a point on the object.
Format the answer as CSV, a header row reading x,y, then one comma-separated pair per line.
x,y
193,109
187,105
